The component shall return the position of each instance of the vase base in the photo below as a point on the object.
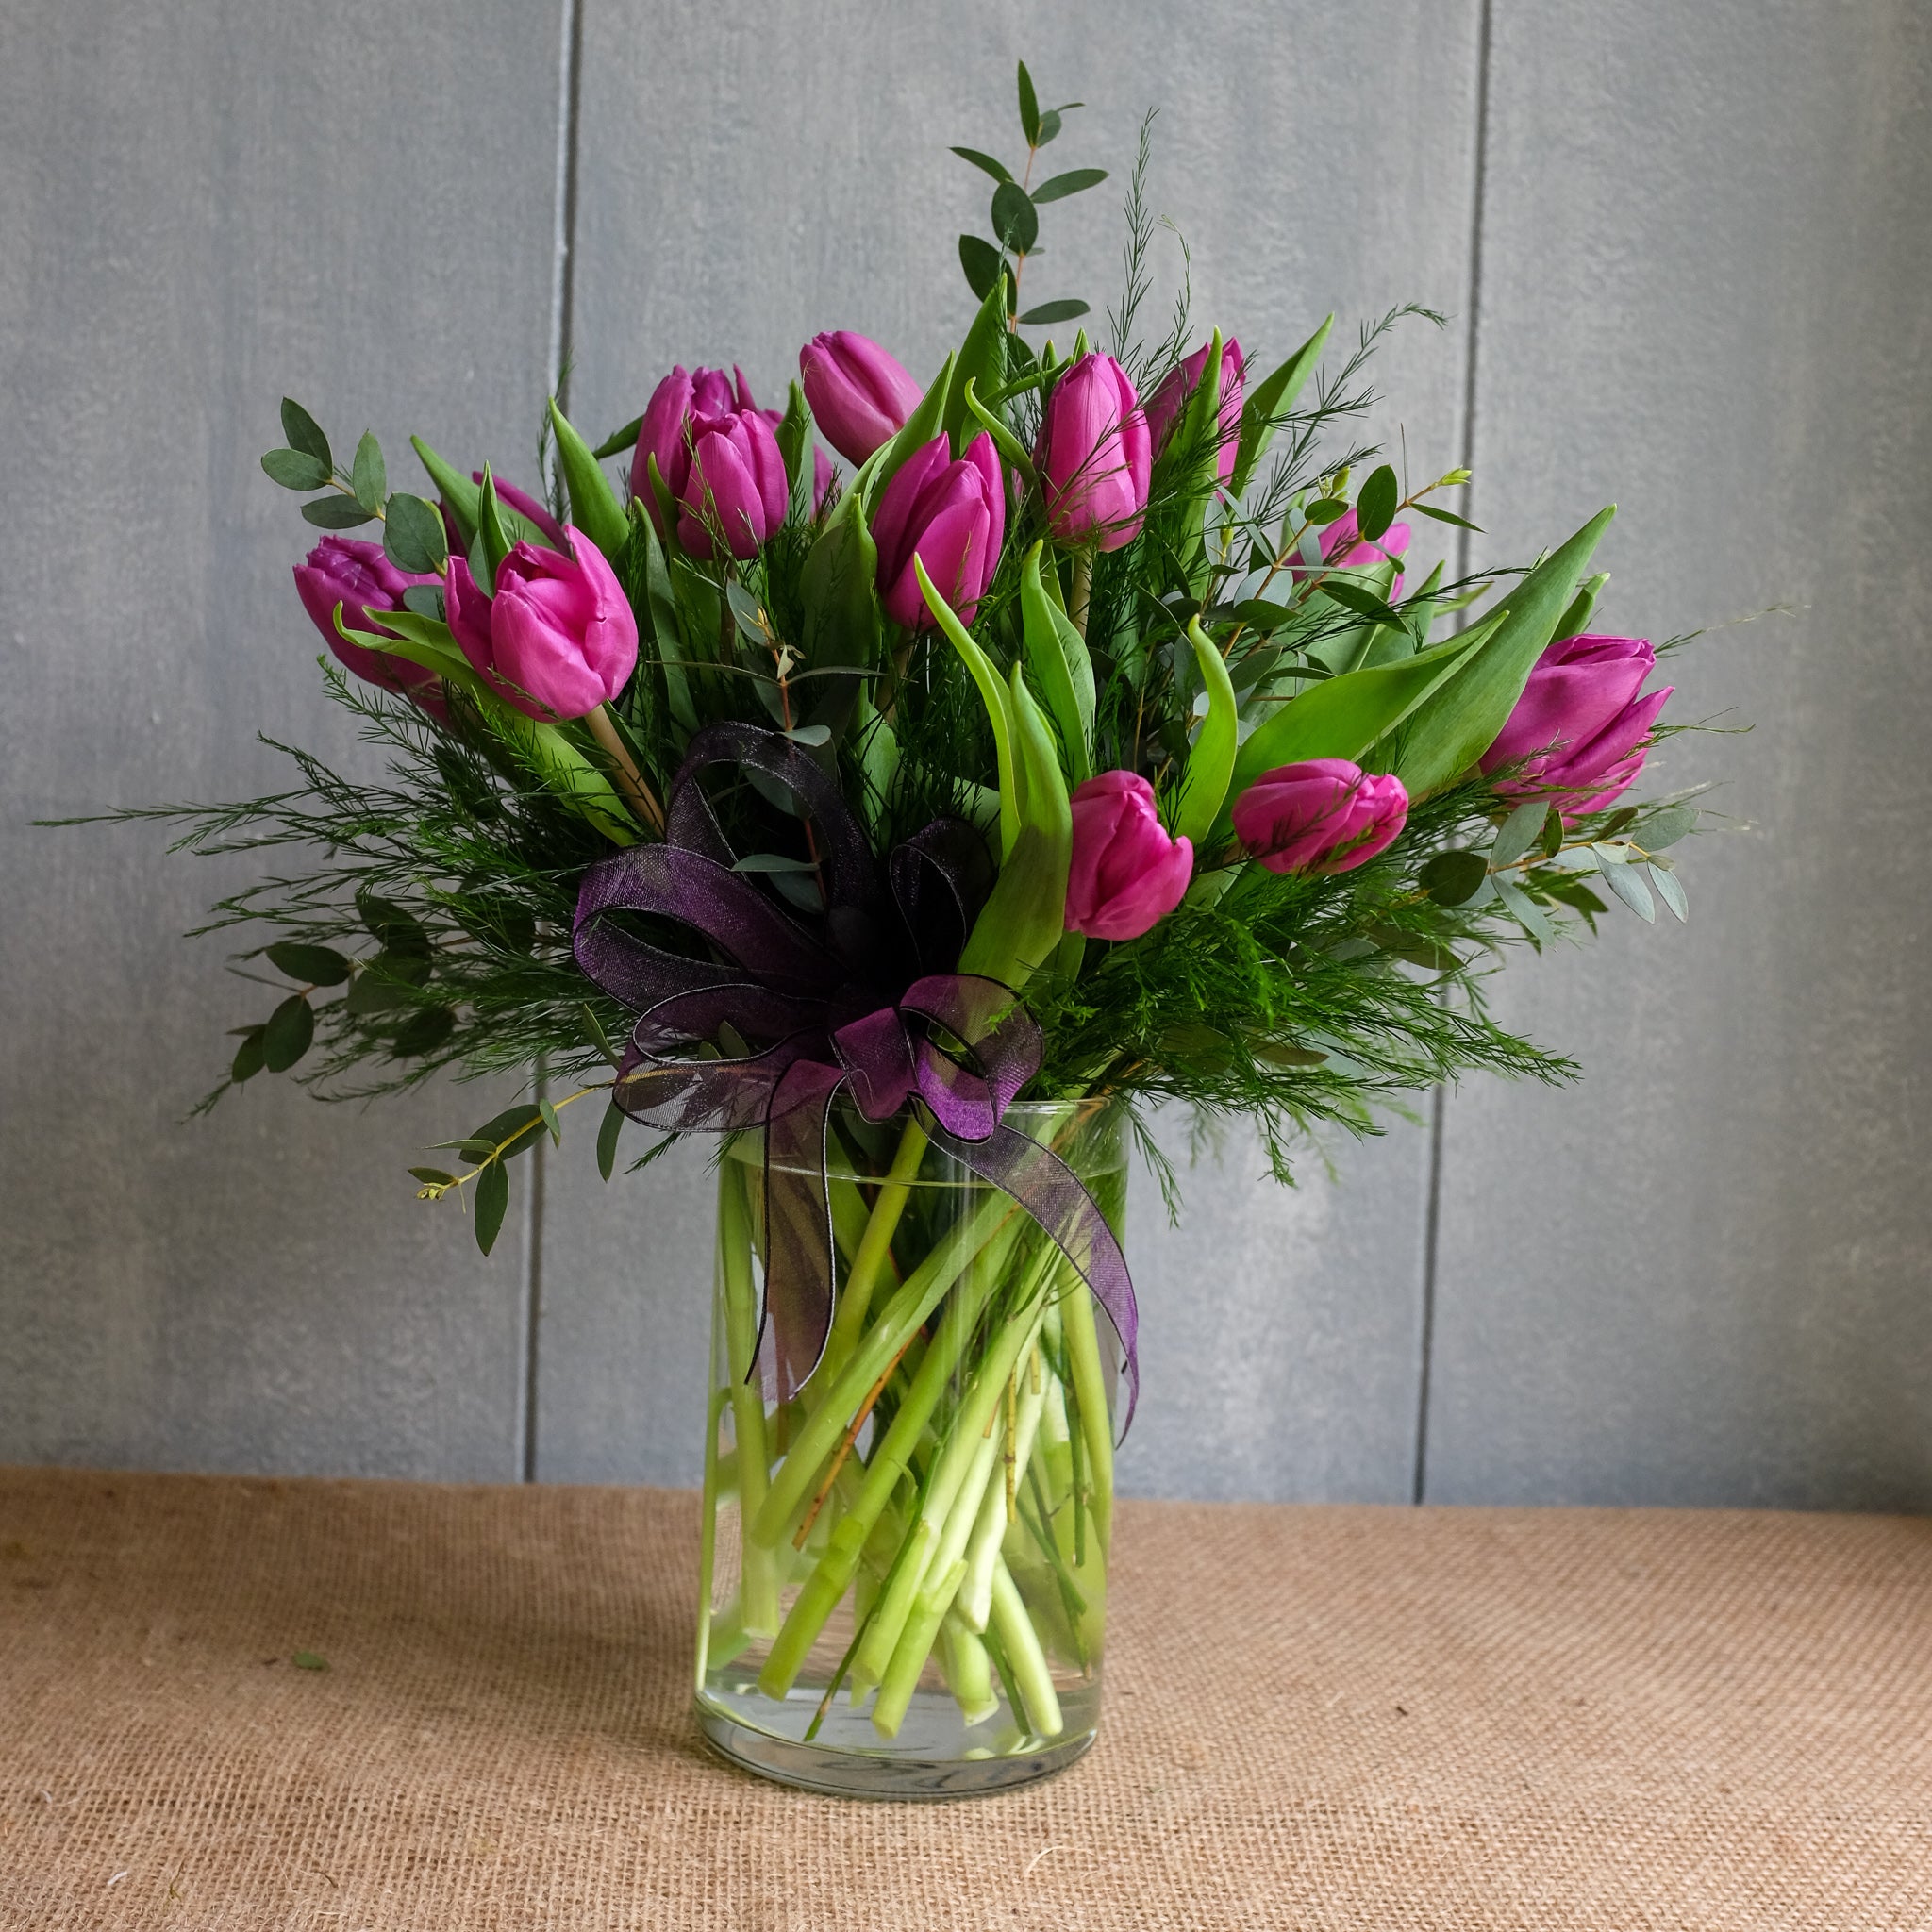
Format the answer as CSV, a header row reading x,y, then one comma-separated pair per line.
x,y
877,1774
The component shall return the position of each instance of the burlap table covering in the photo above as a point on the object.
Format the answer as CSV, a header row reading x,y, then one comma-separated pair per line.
x,y
1316,1717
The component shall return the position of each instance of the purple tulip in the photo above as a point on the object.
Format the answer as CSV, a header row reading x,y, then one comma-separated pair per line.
x,y
1344,548
558,640
1164,406
666,431
357,575
1579,726
861,396
1324,815
737,484
950,514
1094,456
1127,873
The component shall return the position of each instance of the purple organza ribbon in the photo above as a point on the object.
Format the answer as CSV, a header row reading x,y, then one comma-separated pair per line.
x,y
815,1010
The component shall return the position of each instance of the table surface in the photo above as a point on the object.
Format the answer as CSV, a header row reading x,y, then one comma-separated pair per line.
x,y
1315,1717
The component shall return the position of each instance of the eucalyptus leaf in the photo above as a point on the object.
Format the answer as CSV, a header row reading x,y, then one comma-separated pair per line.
x,y
369,476
423,1032
1521,830
608,1130
432,1176
1015,220
304,433
492,1203
981,261
1362,601
1535,921
984,162
1626,881
1664,829
1073,182
1374,507
512,1130
312,965
295,469
248,1060
335,513
1454,878
414,537
1049,126
289,1031
1065,309
1670,889
1029,113
1444,516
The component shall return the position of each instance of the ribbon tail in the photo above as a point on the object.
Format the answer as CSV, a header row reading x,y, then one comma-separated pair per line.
x,y
1069,1217
795,1322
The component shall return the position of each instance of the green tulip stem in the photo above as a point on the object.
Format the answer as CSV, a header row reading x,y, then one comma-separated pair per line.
x,y
875,1250
1090,1387
759,1588
1021,1642
1081,593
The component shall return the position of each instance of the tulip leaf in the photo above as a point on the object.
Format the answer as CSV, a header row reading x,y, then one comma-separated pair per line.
x,y
1374,508
1015,220
1459,721
1056,655
981,366
925,422
335,513
289,1031
1008,446
1269,401
1581,608
1343,717
412,535
594,506
368,477
492,1203
839,589
1024,920
1211,762
492,543
985,270
460,496
1072,182
295,469
794,429
994,694
1029,114
304,434
1066,310
620,441
985,163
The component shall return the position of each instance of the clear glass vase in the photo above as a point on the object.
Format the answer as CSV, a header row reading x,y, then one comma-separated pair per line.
x,y
904,1567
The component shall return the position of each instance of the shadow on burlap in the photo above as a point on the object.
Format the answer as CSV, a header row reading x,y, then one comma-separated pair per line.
x,y
1316,1718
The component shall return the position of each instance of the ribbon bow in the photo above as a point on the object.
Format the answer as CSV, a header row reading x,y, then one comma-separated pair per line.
x,y
815,1006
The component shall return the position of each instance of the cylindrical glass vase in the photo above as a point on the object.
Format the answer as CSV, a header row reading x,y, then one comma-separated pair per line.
x,y
903,1566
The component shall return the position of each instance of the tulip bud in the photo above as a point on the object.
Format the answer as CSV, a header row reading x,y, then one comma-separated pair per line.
x,y
861,396
1324,815
737,484
1579,729
358,577
1094,456
951,515
557,638
666,429
1165,406
1127,873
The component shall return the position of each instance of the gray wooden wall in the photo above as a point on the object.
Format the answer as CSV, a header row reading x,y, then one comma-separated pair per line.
x,y
1685,252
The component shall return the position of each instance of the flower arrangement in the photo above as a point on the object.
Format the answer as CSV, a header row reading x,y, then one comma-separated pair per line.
x,y
1082,743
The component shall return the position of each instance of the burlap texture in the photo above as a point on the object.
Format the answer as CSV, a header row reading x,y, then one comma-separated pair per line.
x,y
1316,1718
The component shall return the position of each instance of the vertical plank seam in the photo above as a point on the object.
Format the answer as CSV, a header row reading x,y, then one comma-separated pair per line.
x,y
1465,561
563,321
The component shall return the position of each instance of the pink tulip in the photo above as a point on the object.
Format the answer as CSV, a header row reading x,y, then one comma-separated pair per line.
x,y
1164,406
358,577
1579,726
666,430
861,396
558,640
1324,815
950,514
1127,875
1094,456
1342,548
737,484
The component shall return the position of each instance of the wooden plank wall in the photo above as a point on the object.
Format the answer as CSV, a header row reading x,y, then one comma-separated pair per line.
x,y
1683,252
